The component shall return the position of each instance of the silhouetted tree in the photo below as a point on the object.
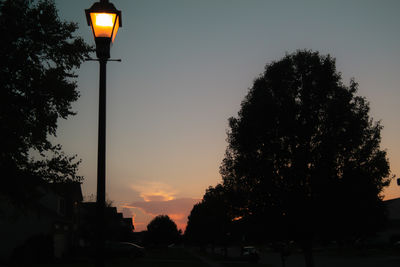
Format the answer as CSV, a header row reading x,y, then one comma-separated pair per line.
x,y
210,220
304,156
162,231
38,56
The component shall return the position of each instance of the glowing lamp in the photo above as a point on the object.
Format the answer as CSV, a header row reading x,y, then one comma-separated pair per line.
x,y
105,20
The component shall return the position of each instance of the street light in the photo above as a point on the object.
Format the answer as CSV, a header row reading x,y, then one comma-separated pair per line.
x,y
105,20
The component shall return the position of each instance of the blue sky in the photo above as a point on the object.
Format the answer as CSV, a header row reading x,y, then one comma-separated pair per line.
x,y
186,66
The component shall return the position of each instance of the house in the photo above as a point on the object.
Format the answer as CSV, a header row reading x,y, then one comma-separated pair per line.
x,y
117,228
46,228
392,231
56,224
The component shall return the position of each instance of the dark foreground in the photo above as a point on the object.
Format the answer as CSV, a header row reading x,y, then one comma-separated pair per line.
x,y
338,259
334,257
166,257
193,257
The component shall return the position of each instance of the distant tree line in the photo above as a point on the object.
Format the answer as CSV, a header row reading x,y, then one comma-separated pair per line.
x,y
303,162
161,232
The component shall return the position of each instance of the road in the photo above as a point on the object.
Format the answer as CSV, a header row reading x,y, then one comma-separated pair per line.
x,y
329,259
326,258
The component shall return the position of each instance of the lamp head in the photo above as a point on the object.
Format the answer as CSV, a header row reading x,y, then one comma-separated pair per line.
x,y
105,21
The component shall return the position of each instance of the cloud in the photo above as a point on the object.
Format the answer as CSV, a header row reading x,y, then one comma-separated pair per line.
x,y
177,209
175,206
158,199
154,191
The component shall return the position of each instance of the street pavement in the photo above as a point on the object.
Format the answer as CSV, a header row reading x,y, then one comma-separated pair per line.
x,y
327,259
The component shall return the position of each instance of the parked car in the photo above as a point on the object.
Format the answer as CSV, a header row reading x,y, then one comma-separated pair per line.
x,y
250,253
123,249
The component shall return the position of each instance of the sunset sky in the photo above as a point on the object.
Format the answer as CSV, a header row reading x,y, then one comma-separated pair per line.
x,y
187,65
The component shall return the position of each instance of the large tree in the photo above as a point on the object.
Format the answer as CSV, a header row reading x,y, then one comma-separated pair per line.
x,y
38,58
304,155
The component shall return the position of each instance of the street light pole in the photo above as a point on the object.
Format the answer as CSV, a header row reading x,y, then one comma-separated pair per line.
x,y
101,156
101,165
105,21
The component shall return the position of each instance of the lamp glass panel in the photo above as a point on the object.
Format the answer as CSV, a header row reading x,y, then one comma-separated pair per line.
x,y
116,29
102,24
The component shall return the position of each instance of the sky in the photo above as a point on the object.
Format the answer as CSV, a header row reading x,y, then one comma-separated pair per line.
x,y
187,65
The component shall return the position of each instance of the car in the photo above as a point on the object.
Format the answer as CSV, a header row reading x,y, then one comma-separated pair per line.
x,y
123,249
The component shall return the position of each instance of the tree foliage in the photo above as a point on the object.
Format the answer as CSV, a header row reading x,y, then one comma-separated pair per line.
x,y
304,155
210,220
38,57
162,231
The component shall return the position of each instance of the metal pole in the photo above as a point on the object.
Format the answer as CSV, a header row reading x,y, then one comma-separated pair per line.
x,y
101,166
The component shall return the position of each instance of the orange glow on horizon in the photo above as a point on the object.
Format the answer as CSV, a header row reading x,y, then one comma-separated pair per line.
x,y
154,191
157,196
133,219
176,217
